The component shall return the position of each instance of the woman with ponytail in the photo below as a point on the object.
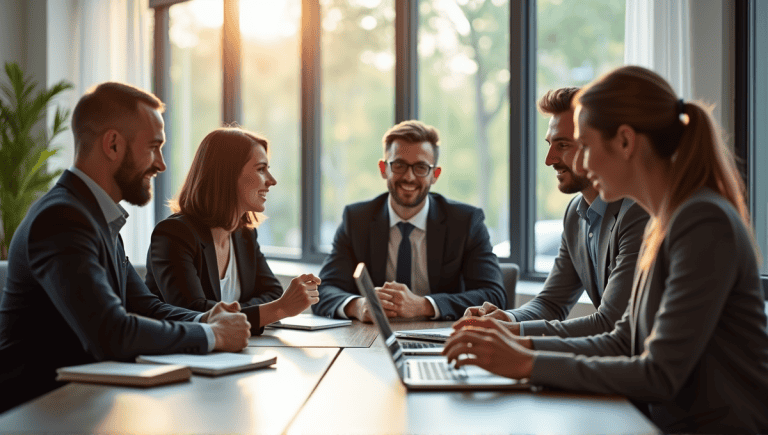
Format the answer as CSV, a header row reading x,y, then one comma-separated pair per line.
x,y
691,351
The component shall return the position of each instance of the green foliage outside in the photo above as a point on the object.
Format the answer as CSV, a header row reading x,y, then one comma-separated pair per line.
x,y
24,147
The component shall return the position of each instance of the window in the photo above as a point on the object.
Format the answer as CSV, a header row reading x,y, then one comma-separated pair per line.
x,y
271,102
358,64
323,80
577,41
195,73
464,86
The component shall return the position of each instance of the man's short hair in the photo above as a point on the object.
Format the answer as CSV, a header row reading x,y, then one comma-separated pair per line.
x,y
105,106
557,101
412,131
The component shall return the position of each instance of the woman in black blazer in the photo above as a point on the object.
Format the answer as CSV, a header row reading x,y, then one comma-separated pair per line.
x,y
691,349
207,251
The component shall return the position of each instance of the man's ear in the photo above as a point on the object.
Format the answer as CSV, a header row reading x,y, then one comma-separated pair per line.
x,y
112,144
436,173
383,168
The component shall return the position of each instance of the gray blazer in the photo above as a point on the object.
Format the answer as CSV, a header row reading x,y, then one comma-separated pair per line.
x,y
621,234
692,346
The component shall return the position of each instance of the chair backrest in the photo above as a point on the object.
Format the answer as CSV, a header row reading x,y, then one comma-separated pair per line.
x,y
509,274
3,275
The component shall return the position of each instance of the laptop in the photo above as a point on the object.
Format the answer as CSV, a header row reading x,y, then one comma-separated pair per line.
x,y
423,372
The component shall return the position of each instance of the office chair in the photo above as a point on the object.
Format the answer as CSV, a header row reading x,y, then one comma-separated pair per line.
x,y
509,274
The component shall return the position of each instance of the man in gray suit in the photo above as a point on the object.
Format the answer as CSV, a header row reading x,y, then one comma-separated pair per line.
x,y
598,252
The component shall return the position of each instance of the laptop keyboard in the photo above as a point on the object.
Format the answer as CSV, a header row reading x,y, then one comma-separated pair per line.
x,y
418,345
440,371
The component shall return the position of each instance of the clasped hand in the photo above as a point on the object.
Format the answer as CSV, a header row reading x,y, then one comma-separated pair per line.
x,y
230,327
488,344
399,301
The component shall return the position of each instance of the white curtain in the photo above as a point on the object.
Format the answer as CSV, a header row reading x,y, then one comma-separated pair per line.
x,y
112,41
658,37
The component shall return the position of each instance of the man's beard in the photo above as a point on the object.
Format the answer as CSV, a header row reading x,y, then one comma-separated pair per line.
x,y
577,184
401,202
131,181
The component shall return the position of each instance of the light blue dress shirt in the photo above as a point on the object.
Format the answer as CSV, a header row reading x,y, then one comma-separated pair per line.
x,y
593,215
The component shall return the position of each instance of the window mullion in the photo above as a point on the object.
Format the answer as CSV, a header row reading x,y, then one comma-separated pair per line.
x,y
522,172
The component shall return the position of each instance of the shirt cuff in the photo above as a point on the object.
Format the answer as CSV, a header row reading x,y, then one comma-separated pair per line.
x,y
340,310
208,333
434,305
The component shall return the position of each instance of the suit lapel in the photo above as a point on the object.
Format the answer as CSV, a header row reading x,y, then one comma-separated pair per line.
x,y
74,184
245,261
606,233
209,254
378,245
436,229
638,288
584,262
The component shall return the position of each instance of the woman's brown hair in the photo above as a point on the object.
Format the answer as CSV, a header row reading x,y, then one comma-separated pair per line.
x,y
643,100
209,193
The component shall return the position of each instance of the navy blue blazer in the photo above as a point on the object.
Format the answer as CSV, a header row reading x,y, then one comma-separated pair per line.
x,y
182,268
462,268
71,298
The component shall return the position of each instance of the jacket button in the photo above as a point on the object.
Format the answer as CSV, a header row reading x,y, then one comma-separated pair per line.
x,y
449,317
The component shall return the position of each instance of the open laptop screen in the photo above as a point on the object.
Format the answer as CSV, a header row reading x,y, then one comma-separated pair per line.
x,y
365,285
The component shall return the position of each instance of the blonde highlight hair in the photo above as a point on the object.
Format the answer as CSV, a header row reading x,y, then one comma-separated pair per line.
x,y
683,133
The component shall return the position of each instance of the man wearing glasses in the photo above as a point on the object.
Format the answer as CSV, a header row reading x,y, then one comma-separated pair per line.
x,y
428,256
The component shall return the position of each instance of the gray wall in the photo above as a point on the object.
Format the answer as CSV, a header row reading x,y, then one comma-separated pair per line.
x,y
12,32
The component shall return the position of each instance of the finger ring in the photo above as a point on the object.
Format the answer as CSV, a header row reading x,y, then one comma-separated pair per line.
x,y
469,345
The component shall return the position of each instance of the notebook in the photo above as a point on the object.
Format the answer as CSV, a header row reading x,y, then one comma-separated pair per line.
x,y
427,373
213,364
310,322
121,373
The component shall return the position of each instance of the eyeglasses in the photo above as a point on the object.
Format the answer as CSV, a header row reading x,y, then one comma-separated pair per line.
x,y
419,169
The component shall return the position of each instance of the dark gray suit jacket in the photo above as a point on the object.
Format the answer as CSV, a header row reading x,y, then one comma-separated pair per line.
x,y
182,268
463,270
621,234
67,302
692,346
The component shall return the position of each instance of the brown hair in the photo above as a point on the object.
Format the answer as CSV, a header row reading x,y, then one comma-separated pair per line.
x,y
209,193
105,106
643,100
412,131
557,101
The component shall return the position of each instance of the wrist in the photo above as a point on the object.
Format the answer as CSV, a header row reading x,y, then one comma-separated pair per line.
x,y
351,309
426,307
270,313
515,328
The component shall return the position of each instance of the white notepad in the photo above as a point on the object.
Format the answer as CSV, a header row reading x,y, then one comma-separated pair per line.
x,y
213,364
310,322
122,373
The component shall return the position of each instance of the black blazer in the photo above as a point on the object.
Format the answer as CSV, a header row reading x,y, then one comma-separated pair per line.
x,y
182,268
71,296
463,270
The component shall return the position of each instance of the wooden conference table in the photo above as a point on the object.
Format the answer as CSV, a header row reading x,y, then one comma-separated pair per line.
x,y
336,381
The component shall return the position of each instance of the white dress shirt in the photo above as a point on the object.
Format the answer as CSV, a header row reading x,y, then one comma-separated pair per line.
x,y
230,284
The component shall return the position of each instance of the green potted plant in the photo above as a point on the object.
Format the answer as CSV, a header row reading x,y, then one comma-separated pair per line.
x,y
24,147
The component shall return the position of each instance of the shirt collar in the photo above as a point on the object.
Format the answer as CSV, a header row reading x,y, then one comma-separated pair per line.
x,y
111,210
598,206
419,220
